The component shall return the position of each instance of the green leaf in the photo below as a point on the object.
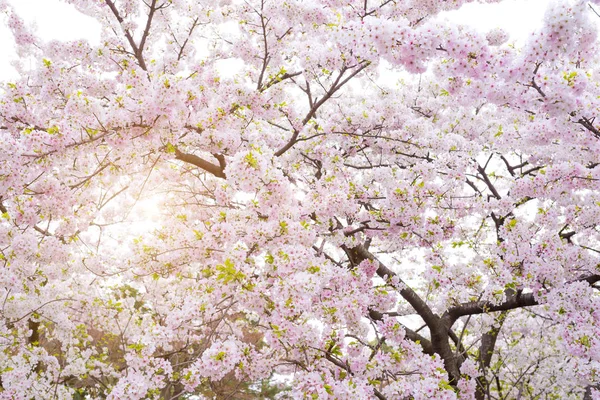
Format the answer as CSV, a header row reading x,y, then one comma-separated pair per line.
x,y
170,148
251,160
227,272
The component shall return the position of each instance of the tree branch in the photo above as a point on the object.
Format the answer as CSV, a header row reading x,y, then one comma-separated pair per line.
x,y
489,183
513,301
589,125
486,351
216,170
405,291
337,84
137,50
410,334
438,327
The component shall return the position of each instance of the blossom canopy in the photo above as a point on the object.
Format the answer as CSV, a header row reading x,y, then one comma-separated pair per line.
x,y
315,199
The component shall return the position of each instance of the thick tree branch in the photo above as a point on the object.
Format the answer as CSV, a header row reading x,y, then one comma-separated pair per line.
x,y
518,300
405,291
488,182
216,170
152,9
486,351
589,125
438,327
513,301
137,50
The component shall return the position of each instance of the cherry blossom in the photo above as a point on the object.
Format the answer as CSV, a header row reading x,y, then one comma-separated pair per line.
x,y
319,199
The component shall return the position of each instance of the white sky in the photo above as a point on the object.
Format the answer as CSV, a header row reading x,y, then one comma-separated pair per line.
x,y
517,17
57,20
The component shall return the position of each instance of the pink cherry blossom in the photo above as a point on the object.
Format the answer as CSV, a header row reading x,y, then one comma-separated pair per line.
x,y
324,199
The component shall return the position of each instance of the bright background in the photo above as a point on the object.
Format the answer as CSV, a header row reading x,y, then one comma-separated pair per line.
x,y
57,20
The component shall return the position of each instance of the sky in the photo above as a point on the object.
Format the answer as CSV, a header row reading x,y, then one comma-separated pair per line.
x,y
57,20
517,17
